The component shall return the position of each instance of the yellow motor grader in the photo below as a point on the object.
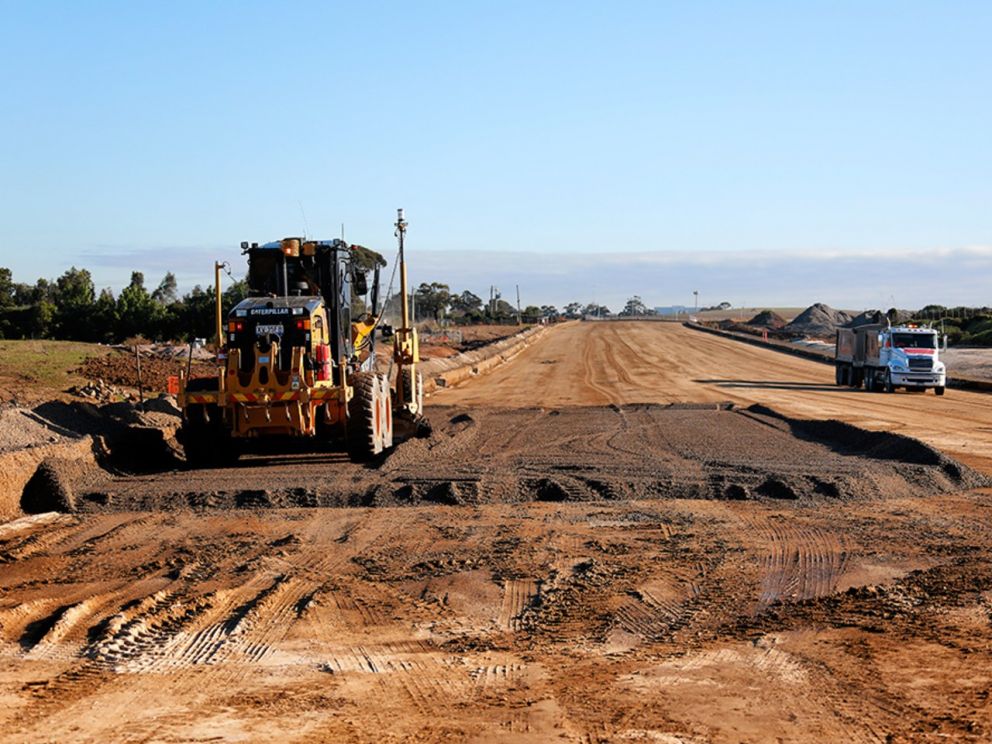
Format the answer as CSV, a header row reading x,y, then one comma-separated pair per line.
x,y
293,362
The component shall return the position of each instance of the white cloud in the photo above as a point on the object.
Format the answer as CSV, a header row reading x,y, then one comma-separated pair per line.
x,y
842,278
849,279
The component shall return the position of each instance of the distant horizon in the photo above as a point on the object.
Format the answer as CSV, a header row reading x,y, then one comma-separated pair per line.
x,y
846,280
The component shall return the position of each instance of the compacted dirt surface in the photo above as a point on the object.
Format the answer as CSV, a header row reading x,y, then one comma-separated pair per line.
x,y
629,532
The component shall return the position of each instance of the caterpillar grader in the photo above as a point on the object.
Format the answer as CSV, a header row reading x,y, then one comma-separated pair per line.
x,y
295,363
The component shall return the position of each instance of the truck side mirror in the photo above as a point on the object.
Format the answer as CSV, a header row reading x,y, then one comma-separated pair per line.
x,y
945,342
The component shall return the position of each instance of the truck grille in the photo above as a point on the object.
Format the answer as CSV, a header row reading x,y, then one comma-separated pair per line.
x,y
926,364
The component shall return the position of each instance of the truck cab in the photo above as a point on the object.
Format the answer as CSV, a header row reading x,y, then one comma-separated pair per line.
x,y
909,355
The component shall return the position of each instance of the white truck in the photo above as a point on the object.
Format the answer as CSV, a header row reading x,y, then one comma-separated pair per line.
x,y
886,357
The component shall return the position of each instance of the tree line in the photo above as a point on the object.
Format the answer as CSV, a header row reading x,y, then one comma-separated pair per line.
x,y
436,301
70,308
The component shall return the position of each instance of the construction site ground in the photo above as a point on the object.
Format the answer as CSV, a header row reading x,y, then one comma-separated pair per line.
x,y
631,531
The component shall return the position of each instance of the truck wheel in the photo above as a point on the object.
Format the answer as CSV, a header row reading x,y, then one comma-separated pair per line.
x,y
939,390
870,380
889,388
839,375
365,417
856,377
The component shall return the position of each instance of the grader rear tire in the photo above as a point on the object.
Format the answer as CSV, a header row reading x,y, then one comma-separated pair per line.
x,y
365,419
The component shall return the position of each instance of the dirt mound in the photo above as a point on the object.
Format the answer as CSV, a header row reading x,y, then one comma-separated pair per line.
x,y
768,319
20,428
818,320
871,317
129,440
850,440
120,368
573,454
27,440
168,352
51,486
868,317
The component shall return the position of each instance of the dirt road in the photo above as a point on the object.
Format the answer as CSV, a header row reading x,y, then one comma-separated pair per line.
x,y
725,575
650,362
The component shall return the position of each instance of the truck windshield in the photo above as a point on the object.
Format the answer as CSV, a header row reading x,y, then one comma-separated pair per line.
x,y
914,340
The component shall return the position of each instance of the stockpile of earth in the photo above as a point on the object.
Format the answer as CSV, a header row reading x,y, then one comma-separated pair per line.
x,y
818,320
20,428
768,319
868,317
877,316
121,369
169,352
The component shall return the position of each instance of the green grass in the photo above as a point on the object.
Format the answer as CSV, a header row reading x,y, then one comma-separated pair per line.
x,y
45,364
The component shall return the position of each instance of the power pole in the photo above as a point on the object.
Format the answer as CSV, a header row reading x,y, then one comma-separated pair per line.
x,y
518,305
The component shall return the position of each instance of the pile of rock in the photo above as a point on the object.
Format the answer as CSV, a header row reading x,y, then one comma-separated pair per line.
x,y
818,321
767,319
99,391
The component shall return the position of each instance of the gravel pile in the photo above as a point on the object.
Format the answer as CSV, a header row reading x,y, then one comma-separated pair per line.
x,y
768,319
99,391
818,320
19,428
868,317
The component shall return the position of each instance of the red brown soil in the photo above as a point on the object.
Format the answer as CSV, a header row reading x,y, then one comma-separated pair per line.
x,y
855,615
119,368
449,342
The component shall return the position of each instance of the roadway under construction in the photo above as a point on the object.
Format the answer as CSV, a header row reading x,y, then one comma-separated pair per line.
x,y
628,531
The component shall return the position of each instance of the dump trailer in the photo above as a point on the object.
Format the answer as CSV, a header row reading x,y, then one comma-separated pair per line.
x,y
883,358
294,363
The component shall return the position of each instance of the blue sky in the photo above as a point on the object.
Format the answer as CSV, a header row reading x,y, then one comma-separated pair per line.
x,y
702,135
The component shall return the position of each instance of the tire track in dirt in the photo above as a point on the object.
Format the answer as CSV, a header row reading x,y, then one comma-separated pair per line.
x,y
814,700
799,561
38,541
656,610
139,638
518,595
606,394
248,632
34,522
499,674
122,637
